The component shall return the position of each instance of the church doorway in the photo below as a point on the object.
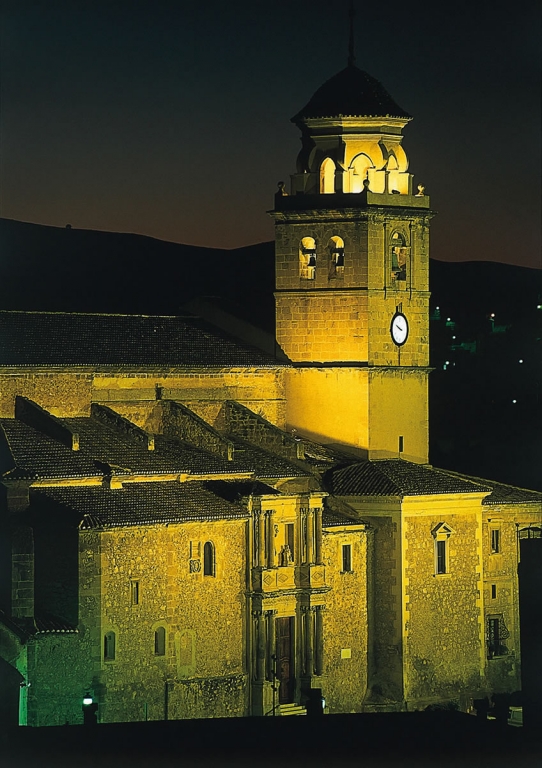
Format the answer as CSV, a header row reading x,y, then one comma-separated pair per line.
x,y
284,628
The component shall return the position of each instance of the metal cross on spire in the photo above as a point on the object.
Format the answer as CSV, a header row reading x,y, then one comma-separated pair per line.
x,y
351,55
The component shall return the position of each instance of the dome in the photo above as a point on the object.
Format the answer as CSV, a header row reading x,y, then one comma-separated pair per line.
x,y
351,93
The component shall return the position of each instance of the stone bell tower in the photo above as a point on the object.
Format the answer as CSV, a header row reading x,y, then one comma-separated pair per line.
x,y
352,268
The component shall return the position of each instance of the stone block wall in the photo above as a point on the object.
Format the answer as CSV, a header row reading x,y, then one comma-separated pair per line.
x,y
346,622
203,618
443,622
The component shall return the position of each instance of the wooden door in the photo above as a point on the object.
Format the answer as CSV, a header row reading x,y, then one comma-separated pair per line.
x,y
284,628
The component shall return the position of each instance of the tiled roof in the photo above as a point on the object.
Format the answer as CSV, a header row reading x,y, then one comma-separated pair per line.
x,y
27,453
140,504
395,477
334,519
351,93
170,455
264,463
56,338
500,492
235,490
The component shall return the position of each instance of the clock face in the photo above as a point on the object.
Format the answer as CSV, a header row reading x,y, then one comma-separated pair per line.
x,y
399,329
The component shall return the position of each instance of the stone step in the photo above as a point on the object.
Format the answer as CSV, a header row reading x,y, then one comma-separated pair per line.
x,y
291,709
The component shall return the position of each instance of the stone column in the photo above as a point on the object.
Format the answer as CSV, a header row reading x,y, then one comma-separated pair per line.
x,y
318,535
319,641
300,556
310,536
260,645
309,641
261,539
270,539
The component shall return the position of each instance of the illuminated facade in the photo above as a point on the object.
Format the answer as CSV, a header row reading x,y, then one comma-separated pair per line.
x,y
191,528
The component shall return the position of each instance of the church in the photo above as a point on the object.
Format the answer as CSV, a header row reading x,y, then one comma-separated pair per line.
x,y
194,527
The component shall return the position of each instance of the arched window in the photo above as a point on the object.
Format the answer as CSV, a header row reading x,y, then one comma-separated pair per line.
x,y
208,559
160,641
360,166
327,177
109,646
336,256
399,257
307,258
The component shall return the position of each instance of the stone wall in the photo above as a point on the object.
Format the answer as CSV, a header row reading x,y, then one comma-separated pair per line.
x,y
443,625
346,622
203,617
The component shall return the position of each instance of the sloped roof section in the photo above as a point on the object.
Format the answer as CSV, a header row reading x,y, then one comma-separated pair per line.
x,y
140,504
500,492
395,477
351,93
59,338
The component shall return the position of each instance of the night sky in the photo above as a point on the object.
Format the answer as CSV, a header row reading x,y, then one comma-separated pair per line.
x,y
171,118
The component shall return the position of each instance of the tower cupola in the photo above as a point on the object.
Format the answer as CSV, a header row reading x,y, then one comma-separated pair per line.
x,y
351,133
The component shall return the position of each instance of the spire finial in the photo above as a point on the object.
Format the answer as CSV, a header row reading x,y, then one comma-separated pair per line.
x,y
351,56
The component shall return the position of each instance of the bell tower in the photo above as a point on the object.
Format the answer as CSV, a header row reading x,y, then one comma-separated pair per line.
x,y
352,269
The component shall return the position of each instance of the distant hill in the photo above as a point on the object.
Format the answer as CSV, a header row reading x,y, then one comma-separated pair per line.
x,y
61,269
476,426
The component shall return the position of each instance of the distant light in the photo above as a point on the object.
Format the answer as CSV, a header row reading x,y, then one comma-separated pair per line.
x,y
492,314
448,319
521,361
447,362
87,701
539,306
439,307
453,337
514,401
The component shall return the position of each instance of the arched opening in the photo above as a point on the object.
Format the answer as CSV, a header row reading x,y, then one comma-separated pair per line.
x,y
360,166
307,258
399,257
208,559
336,256
327,177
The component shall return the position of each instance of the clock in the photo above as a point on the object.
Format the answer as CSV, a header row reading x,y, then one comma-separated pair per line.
x,y
399,329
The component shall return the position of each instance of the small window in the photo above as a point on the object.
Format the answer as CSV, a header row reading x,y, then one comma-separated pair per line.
x,y
441,556
160,641
493,591
208,559
401,444
441,534
134,592
495,541
347,558
109,646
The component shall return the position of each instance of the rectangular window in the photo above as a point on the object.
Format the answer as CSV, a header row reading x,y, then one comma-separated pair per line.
x,y
401,443
441,545
290,538
109,646
160,641
495,541
494,638
134,592
347,558
493,591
